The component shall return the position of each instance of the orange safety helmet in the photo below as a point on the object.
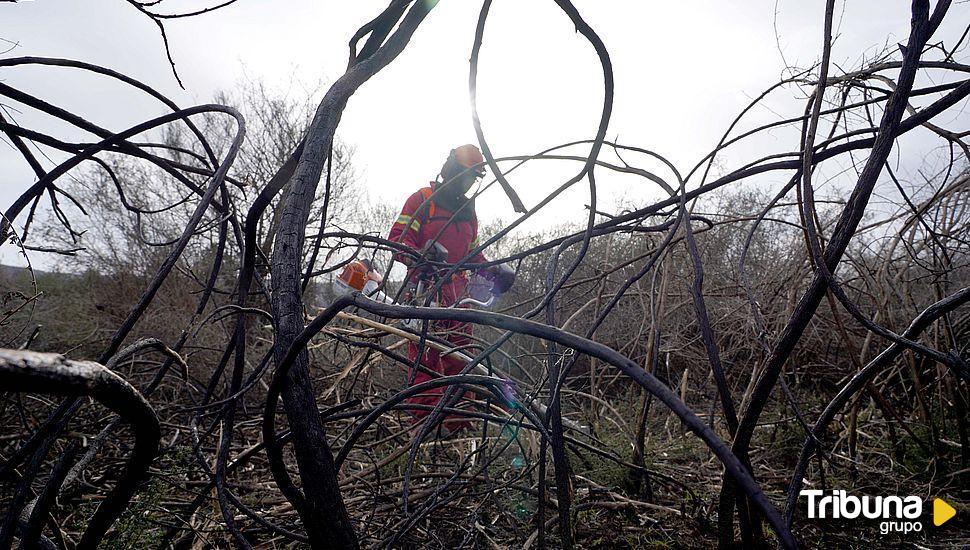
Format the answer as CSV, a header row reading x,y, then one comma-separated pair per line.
x,y
468,156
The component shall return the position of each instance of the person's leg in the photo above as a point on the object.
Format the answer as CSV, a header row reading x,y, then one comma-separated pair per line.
x,y
428,398
459,335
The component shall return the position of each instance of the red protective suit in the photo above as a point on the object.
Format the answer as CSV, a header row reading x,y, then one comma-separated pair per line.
x,y
416,227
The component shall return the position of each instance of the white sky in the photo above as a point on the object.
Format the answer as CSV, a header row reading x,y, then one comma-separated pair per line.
x,y
683,71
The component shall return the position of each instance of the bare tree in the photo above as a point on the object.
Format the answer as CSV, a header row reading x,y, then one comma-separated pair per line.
x,y
753,318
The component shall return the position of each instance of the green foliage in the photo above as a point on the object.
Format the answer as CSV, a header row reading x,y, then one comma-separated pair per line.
x,y
138,526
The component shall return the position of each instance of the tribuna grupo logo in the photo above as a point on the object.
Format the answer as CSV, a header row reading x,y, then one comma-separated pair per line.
x,y
898,514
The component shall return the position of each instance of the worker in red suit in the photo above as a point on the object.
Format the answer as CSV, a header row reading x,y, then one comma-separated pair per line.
x,y
444,228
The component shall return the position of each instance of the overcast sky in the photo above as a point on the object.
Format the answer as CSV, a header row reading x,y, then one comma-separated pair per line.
x,y
683,71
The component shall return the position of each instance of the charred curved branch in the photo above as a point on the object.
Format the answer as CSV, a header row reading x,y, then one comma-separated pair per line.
x,y
857,383
522,326
26,371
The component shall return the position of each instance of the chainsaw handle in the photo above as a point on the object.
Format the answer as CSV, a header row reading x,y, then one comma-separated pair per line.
x,y
473,302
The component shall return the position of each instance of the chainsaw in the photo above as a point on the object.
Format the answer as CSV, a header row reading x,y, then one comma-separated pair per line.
x,y
360,276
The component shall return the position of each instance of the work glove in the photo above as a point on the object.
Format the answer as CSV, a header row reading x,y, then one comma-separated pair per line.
x,y
502,277
431,252
434,252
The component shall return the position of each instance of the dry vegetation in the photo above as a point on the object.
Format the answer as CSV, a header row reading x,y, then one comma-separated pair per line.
x,y
667,375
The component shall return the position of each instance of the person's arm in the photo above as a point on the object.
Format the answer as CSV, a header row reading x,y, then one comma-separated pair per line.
x,y
480,257
501,276
406,229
